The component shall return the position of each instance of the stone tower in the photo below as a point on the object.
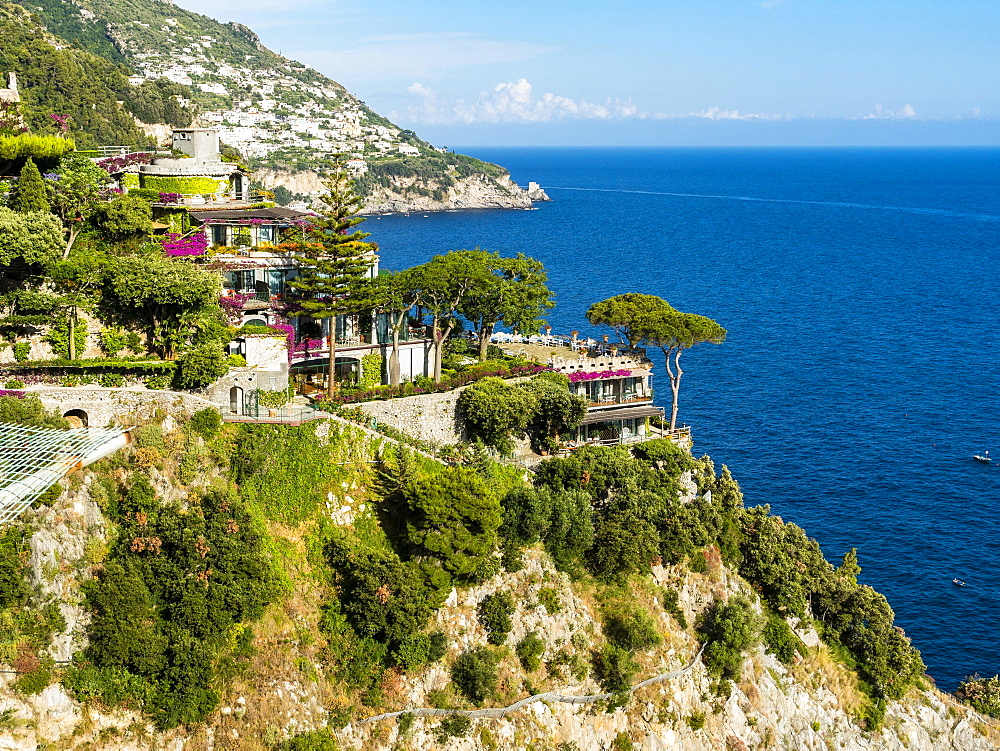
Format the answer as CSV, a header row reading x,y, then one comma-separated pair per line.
x,y
10,94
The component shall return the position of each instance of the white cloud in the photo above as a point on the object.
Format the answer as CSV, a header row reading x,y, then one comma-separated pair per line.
x,y
425,55
718,113
905,112
510,102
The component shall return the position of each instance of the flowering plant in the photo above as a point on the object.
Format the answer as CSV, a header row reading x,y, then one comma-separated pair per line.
x,y
232,306
170,197
8,392
62,122
597,375
175,245
114,164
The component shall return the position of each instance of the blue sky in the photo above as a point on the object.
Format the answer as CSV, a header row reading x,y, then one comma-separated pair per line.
x,y
654,72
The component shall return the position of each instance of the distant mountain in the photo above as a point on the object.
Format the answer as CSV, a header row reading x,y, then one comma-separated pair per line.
x,y
282,115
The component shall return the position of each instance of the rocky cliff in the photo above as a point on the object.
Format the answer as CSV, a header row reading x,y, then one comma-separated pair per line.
x,y
413,194
290,686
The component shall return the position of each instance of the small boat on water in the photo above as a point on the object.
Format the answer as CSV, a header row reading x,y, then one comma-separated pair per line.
x,y
958,582
984,457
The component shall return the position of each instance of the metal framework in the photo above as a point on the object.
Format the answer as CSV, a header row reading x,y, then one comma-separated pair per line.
x,y
32,459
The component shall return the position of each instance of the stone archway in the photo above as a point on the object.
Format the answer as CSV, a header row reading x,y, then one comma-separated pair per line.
x,y
77,418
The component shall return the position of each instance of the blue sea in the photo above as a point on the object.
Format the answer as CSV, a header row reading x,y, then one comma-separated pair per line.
x,y
860,289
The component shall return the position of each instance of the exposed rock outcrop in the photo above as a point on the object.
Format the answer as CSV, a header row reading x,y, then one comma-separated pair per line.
x,y
407,194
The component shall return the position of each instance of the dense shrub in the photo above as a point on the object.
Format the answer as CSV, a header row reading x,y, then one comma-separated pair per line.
x,y
175,584
200,366
615,668
571,530
206,422
730,630
982,694
495,411
530,650
624,542
781,641
454,517
629,626
556,409
112,341
13,588
21,351
457,726
387,599
474,674
495,611
30,412
671,604
313,740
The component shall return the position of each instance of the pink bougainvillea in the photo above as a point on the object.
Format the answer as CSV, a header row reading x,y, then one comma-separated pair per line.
x,y
598,375
232,306
175,245
115,164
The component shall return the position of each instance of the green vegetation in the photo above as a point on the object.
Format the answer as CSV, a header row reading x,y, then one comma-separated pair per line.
x,y
166,600
982,694
495,613
474,673
530,650
495,412
333,259
79,84
651,320
29,193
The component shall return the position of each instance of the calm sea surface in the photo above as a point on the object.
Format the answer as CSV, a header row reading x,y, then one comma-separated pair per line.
x,y
861,291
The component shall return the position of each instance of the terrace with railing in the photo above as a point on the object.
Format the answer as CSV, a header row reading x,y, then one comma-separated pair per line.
x,y
568,354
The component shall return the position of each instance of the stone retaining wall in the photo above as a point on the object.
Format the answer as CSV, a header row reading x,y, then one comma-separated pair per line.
x,y
429,417
99,407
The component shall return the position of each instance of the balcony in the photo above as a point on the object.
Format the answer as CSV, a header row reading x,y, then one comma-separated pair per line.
x,y
614,399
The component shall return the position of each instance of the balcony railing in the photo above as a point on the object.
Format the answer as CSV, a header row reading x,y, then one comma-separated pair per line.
x,y
639,396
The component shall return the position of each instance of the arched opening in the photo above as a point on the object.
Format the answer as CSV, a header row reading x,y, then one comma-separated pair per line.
x,y
255,322
236,400
77,418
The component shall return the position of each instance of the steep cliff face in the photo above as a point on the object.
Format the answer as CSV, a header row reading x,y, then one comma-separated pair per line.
x,y
414,194
292,681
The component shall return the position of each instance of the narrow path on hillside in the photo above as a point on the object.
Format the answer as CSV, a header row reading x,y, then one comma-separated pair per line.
x,y
500,712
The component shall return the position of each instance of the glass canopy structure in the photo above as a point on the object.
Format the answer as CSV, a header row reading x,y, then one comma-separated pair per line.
x,y
32,459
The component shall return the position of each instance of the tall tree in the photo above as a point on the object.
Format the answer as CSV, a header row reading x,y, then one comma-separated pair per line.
x,y
334,261
445,280
621,312
165,296
29,195
395,295
673,332
512,291
76,194
78,281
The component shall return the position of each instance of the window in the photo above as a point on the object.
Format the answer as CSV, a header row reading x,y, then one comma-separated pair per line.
x,y
267,234
242,237
243,281
276,282
219,234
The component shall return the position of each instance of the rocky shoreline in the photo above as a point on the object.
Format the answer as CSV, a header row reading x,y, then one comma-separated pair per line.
x,y
405,195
